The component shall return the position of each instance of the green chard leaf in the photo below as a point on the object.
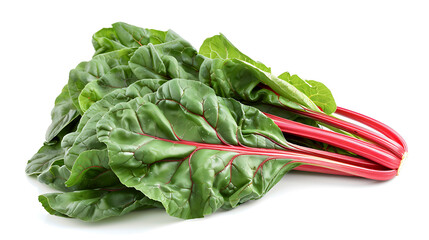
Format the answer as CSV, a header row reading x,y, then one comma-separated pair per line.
x,y
123,35
219,46
63,113
316,91
191,150
55,177
95,205
118,77
87,157
92,70
92,170
245,82
175,59
51,153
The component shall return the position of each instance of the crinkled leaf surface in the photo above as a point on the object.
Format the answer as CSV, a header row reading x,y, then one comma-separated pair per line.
x,y
118,77
123,35
191,150
55,177
87,158
94,205
175,59
316,91
219,46
86,130
94,69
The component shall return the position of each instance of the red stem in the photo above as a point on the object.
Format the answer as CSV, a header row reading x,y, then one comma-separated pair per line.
x,y
338,157
354,145
375,124
386,143
310,168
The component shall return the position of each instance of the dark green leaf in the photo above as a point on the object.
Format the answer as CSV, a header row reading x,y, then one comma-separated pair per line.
x,y
175,59
92,70
87,139
55,177
47,155
166,145
94,205
92,170
63,113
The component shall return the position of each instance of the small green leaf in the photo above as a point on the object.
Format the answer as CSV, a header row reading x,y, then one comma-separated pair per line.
x,y
55,177
92,170
316,91
92,70
47,155
63,113
226,76
219,46
118,77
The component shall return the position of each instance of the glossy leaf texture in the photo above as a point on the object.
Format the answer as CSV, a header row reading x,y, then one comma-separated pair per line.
x,y
95,205
63,113
122,35
219,46
170,146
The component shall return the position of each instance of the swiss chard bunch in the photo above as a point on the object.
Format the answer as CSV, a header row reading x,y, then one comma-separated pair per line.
x,y
150,121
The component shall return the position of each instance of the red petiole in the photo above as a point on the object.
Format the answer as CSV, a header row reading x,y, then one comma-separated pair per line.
x,y
362,148
375,124
382,141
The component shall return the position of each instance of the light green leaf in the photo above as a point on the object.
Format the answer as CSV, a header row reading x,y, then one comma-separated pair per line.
x,y
219,46
316,91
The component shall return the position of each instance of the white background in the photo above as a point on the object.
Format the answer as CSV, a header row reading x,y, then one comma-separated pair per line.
x,y
373,55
